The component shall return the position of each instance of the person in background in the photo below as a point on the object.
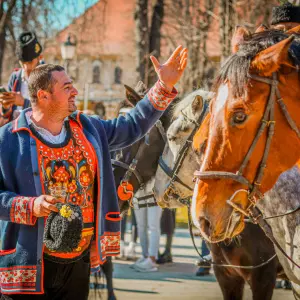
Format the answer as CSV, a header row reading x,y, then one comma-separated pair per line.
x,y
148,217
29,54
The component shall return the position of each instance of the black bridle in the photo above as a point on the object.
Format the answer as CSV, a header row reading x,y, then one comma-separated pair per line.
x,y
173,173
132,167
253,193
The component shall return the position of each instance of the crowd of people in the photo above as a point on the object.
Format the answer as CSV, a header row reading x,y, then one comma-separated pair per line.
x,y
56,179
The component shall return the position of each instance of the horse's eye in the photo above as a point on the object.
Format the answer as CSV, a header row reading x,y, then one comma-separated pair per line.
x,y
239,117
171,138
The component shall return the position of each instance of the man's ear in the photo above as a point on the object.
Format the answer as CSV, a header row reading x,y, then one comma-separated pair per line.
x,y
42,95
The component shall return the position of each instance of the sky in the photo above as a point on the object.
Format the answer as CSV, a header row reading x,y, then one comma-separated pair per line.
x,y
68,12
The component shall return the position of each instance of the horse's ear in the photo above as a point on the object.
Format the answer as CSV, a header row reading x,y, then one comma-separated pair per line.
x,y
131,95
269,60
294,30
239,36
261,28
197,104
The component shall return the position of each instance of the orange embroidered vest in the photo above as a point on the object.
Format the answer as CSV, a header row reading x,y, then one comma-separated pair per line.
x,y
69,173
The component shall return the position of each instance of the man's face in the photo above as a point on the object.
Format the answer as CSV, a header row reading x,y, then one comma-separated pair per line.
x,y
29,65
62,97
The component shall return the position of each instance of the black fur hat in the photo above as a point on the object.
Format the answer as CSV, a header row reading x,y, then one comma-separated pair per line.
x,y
285,13
63,229
28,47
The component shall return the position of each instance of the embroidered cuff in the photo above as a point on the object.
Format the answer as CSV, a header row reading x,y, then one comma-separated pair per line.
x,y
111,243
160,97
22,210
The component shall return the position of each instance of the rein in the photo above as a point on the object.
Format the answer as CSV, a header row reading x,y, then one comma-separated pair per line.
x,y
267,122
222,265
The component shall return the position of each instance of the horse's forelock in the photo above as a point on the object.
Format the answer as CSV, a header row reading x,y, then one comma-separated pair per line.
x,y
237,66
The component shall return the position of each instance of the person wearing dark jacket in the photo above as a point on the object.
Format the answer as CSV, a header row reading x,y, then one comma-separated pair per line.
x,y
29,54
59,213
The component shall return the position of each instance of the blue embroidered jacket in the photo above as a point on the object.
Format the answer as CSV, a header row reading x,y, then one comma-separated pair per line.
x,y
21,234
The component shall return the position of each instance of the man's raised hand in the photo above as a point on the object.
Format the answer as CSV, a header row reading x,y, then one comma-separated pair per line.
x,y
170,72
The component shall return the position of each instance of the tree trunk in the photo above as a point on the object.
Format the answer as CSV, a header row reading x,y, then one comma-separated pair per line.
x,y
2,48
6,8
155,37
142,38
227,16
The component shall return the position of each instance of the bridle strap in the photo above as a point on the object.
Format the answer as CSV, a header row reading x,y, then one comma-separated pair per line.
x,y
131,169
171,174
225,175
127,167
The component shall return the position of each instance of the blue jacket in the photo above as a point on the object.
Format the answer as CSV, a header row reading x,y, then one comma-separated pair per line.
x,y
21,234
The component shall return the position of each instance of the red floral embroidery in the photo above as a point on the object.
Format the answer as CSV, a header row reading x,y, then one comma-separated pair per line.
x,y
61,174
21,210
20,277
76,198
110,243
160,97
72,187
85,179
77,154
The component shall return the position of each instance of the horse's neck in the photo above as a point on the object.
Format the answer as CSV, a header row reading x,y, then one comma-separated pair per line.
x,y
284,195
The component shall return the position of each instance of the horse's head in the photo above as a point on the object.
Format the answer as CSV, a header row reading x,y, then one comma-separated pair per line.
x,y
245,151
145,153
174,177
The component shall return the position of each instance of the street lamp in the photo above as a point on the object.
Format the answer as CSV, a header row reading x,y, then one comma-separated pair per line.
x,y
68,49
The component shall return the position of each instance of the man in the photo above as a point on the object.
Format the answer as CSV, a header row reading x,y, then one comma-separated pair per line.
x,y
285,17
51,154
28,52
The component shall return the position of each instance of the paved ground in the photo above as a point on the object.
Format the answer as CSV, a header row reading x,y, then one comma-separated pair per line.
x,y
173,281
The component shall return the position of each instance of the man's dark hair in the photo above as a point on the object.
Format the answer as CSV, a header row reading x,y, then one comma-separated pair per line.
x,y
41,79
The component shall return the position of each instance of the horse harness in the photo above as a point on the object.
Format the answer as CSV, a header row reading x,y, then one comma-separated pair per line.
x,y
173,173
267,122
125,189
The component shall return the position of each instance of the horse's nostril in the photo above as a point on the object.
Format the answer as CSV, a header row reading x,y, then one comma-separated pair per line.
x,y
205,226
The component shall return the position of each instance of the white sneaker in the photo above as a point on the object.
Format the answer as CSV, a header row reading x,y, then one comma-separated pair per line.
x,y
140,260
130,251
146,266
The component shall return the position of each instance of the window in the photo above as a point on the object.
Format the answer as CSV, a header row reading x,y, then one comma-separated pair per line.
x,y
118,75
96,74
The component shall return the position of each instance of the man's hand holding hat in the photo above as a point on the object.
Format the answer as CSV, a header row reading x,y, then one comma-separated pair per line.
x,y
44,205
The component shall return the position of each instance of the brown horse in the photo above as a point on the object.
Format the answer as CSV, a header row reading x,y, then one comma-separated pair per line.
x,y
257,87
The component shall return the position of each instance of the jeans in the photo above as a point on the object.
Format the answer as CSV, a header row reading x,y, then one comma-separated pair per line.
x,y
204,248
149,218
